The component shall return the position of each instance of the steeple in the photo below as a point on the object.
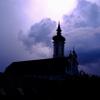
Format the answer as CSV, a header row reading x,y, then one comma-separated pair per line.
x,y
74,53
59,42
59,29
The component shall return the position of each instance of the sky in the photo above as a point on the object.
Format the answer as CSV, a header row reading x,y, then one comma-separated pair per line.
x,y
27,27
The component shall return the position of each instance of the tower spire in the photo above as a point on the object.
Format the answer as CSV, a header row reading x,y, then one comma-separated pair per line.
x,y
59,29
59,42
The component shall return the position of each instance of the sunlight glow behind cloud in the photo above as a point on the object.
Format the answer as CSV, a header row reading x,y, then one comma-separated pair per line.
x,y
54,9
57,8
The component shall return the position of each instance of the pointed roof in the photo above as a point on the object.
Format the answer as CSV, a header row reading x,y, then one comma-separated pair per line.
x,y
59,37
70,54
74,53
59,29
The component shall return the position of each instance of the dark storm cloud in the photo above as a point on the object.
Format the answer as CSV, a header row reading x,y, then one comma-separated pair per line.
x,y
88,57
85,15
87,45
83,28
91,60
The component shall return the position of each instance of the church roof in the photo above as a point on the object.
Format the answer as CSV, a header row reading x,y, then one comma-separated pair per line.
x,y
53,66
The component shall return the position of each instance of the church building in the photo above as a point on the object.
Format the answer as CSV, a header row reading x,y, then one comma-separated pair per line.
x,y
54,68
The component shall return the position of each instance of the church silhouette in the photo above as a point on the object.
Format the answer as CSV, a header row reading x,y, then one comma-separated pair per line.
x,y
22,78
54,68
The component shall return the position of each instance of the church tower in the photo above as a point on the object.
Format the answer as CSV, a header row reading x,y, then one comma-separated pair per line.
x,y
59,42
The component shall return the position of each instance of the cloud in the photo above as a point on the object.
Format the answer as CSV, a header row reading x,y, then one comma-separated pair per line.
x,y
85,15
39,38
42,50
95,1
83,33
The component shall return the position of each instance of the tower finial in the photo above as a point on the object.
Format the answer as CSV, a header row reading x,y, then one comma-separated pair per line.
x,y
59,29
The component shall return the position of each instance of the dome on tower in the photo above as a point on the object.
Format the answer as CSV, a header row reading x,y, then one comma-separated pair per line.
x,y
58,37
